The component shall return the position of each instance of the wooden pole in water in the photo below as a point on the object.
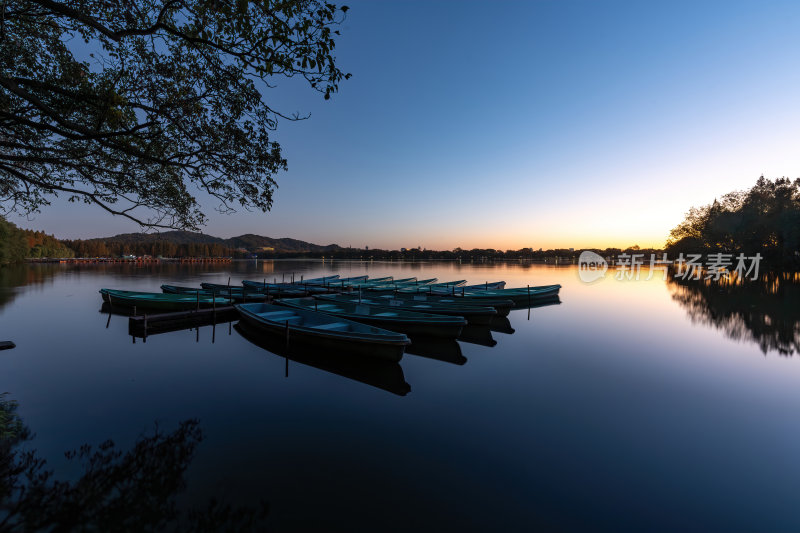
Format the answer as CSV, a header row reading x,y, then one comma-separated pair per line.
x,y
214,306
144,336
110,309
359,294
315,305
529,296
287,333
197,307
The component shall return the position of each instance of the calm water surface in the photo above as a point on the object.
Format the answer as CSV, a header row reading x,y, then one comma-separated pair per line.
x,y
638,405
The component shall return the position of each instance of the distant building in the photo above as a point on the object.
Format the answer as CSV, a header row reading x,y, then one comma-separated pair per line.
x,y
267,249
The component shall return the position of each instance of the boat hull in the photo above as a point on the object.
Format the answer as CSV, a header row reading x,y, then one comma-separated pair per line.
x,y
390,347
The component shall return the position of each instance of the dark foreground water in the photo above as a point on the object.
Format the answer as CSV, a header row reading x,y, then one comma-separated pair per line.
x,y
629,406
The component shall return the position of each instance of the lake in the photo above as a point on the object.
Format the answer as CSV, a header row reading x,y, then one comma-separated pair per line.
x,y
645,405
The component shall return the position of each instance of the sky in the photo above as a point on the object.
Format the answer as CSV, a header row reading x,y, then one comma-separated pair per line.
x,y
544,124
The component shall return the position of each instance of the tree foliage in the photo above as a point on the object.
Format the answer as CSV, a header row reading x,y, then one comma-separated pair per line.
x,y
16,244
765,220
137,106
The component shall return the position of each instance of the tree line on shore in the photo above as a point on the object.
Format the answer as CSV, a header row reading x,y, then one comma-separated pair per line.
x,y
17,244
764,219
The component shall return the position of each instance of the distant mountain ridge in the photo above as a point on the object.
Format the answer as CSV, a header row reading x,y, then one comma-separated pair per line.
x,y
249,241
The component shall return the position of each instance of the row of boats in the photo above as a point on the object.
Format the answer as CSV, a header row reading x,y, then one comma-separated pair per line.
x,y
373,317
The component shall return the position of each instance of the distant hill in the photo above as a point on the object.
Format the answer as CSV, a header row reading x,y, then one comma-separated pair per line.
x,y
168,240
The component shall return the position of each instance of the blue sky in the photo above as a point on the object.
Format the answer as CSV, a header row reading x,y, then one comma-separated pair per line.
x,y
512,124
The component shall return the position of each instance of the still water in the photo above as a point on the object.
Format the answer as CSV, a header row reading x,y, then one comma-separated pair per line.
x,y
631,405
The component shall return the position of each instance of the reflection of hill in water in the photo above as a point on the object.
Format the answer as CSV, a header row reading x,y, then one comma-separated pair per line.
x,y
766,313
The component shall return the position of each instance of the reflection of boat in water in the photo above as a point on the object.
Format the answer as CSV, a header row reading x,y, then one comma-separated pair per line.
x,y
446,350
379,373
323,330
501,324
477,335
544,302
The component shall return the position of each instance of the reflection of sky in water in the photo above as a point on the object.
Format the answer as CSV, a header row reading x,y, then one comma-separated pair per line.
x,y
609,411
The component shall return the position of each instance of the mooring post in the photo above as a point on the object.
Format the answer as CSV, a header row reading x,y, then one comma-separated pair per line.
x,y
462,292
197,306
287,333
529,296
144,334
134,310
283,277
315,304
359,294
301,278
110,309
214,306
487,285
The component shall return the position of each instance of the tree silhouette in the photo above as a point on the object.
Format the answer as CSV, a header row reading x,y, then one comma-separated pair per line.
x,y
131,106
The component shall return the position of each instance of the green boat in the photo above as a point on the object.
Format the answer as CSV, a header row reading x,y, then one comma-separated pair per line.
x,y
423,286
473,314
234,293
160,301
503,307
521,296
408,322
307,326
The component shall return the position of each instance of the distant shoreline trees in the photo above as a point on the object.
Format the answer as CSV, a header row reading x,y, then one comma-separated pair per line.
x,y
18,244
764,219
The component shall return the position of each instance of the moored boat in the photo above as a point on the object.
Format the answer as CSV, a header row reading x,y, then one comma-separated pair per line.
x,y
520,295
160,301
237,294
473,314
408,322
321,329
503,307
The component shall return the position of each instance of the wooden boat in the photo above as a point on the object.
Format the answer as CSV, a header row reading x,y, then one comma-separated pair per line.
x,y
495,285
320,281
291,290
380,373
310,327
161,301
237,294
408,322
473,314
520,296
398,284
503,307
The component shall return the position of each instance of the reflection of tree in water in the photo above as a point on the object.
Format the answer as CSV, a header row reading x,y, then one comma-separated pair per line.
x,y
764,312
13,276
130,491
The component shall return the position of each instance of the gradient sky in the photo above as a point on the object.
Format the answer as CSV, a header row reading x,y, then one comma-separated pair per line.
x,y
507,125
